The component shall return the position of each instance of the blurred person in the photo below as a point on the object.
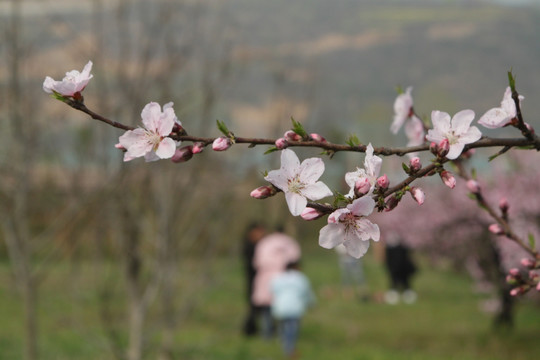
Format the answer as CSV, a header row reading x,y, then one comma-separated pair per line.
x,y
291,296
400,268
272,254
352,274
254,233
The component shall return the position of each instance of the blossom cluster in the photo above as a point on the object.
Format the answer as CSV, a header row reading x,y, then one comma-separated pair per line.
x,y
161,135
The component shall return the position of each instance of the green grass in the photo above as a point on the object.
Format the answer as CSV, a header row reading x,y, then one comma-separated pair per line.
x,y
444,324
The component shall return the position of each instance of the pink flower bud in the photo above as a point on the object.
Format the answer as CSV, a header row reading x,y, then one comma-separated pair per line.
x,y
511,280
317,137
444,147
434,148
418,195
391,203
182,154
362,187
514,272
503,205
415,164
383,182
496,229
473,186
222,143
198,147
177,127
292,136
310,213
528,263
538,287
533,275
281,143
448,179
120,147
263,192
516,291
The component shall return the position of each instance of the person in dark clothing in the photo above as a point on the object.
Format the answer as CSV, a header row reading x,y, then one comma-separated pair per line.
x,y
254,233
400,268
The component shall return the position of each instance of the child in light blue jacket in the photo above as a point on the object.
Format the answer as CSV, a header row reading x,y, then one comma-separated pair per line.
x,y
291,296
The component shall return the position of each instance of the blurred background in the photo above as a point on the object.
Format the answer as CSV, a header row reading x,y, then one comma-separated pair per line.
x,y
100,259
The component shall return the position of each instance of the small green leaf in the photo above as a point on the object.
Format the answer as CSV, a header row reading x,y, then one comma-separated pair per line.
x,y
399,90
353,140
264,173
339,198
271,150
532,242
223,128
405,168
473,173
512,81
299,129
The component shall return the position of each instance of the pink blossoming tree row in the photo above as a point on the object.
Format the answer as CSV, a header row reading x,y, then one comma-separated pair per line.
x,y
448,138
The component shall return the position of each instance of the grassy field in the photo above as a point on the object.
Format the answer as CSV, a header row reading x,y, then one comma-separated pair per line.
x,y
444,324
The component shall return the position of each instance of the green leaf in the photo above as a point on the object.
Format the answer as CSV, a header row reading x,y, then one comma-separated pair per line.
x,y
339,198
299,129
473,173
223,128
512,81
353,140
399,90
271,150
532,242
405,168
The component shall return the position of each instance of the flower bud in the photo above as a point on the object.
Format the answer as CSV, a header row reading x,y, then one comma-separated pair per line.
x,y
503,205
418,195
281,143
514,272
511,280
182,154
292,136
538,287
473,186
383,182
533,275
120,147
391,203
448,179
177,127
222,143
496,229
444,148
516,291
362,187
310,213
317,137
433,148
263,192
198,147
528,263
415,164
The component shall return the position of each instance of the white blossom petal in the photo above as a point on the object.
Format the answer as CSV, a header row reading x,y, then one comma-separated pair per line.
x,y
311,169
150,115
289,163
461,121
166,148
316,191
331,235
494,118
362,206
296,202
356,248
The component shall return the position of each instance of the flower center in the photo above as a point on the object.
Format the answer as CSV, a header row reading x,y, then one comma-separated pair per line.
x,y
452,138
153,138
295,185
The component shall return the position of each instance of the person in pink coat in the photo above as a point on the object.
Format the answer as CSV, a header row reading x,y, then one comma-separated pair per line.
x,y
272,254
